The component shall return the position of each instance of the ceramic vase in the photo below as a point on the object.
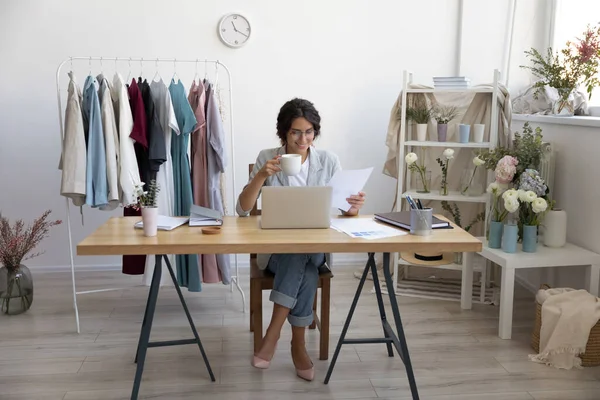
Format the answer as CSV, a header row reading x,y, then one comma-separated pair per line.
x,y
16,290
555,228
495,239
442,131
150,220
421,132
478,130
530,236
464,131
510,235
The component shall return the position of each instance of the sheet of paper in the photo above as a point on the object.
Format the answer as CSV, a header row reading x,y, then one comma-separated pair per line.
x,y
346,183
364,228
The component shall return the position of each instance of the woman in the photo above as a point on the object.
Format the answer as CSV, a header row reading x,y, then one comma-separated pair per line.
x,y
296,275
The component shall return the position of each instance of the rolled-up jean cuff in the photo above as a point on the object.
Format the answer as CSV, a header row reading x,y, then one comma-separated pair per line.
x,y
282,299
300,321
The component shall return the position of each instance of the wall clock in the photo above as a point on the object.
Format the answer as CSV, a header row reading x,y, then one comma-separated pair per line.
x,y
234,30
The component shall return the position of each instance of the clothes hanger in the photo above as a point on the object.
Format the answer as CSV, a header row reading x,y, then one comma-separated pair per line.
x,y
90,64
141,68
157,72
196,74
205,68
128,73
174,70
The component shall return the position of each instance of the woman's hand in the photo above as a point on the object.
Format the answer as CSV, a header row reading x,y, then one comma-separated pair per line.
x,y
270,168
356,202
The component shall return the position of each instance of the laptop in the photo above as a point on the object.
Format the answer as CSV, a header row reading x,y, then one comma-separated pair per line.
x,y
296,207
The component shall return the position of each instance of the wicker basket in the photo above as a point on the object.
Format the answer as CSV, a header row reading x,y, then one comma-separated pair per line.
x,y
591,357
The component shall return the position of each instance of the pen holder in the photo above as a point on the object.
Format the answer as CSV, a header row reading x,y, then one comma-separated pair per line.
x,y
421,221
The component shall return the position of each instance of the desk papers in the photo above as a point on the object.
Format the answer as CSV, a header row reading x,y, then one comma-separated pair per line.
x,y
165,223
364,228
346,183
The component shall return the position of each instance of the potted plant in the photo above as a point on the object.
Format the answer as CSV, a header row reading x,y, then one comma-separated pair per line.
x,y
443,115
420,115
146,201
576,64
16,244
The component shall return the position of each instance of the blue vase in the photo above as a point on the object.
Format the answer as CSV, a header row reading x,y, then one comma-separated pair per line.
x,y
495,240
530,236
464,132
510,234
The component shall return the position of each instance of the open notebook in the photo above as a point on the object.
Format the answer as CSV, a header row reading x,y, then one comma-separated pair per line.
x,y
165,223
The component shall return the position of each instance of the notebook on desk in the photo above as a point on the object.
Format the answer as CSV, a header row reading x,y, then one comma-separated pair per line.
x,y
401,219
202,216
165,223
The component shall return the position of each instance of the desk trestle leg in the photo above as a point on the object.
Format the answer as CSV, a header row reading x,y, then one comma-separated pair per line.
x,y
144,341
390,337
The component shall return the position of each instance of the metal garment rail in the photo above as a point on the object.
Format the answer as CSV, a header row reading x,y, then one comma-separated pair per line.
x,y
89,59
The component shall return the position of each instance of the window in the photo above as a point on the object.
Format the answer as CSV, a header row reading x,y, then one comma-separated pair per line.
x,y
572,17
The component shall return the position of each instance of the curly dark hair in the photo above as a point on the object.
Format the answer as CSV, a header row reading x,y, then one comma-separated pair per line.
x,y
293,109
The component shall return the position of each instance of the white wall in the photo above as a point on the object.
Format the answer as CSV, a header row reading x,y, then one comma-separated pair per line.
x,y
575,191
343,56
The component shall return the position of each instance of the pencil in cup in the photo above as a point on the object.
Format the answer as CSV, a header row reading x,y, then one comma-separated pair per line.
x,y
421,221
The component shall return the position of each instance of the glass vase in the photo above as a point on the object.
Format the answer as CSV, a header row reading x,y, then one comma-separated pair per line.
x,y
444,188
423,181
471,182
530,238
16,290
458,258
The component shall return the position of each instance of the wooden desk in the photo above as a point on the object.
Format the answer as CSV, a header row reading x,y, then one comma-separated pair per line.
x,y
243,235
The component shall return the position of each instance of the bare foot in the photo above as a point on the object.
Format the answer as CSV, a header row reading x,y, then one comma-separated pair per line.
x,y
300,356
267,347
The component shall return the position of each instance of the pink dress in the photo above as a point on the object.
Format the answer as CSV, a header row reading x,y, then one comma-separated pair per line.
x,y
197,98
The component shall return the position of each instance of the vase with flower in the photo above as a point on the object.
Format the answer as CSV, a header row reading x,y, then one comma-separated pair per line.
x,y
448,155
532,190
510,229
494,235
16,246
146,200
443,115
575,65
423,176
469,185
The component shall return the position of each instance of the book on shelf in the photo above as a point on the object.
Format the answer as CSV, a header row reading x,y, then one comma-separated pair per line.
x,y
451,82
401,219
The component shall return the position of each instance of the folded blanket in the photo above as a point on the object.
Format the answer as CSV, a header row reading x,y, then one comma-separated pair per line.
x,y
568,315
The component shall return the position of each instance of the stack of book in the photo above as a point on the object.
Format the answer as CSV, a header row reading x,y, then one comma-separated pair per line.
x,y
451,82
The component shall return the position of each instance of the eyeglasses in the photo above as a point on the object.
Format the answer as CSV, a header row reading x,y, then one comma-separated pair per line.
x,y
308,133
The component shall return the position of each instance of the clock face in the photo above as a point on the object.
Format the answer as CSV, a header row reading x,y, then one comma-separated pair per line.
x,y
234,30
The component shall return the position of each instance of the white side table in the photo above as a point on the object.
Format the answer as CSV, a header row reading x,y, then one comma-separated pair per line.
x,y
569,255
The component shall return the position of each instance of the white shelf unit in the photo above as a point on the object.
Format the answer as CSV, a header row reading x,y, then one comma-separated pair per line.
x,y
405,146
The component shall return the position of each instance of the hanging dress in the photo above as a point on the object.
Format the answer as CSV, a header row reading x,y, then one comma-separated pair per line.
x,y
164,178
217,160
197,99
135,264
111,142
188,272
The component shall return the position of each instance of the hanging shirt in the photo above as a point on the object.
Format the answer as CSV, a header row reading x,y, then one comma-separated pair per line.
x,y
73,156
111,143
129,174
188,272
139,133
157,153
96,180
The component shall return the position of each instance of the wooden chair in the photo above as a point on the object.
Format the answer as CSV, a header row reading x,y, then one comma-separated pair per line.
x,y
263,280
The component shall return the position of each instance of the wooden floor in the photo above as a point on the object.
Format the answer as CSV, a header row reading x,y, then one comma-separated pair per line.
x,y
456,354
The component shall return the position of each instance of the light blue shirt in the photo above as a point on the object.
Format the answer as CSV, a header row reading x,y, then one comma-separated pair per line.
x,y
96,179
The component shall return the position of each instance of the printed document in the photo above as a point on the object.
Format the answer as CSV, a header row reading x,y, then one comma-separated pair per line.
x,y
346,183
364,228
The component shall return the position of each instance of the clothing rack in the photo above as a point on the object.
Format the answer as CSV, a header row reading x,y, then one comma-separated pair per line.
x,y
89,59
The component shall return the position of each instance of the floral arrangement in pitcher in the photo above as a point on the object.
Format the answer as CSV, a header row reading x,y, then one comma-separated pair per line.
x,y
448,155
17,242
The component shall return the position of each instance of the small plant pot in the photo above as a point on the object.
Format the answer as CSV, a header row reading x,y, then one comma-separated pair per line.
x,y
442,131
422,132
478,131
150,220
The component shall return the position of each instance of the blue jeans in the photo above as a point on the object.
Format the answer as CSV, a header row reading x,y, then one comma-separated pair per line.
x,y
295,284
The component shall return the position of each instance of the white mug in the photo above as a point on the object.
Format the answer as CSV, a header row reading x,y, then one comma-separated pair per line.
x,y
291,164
